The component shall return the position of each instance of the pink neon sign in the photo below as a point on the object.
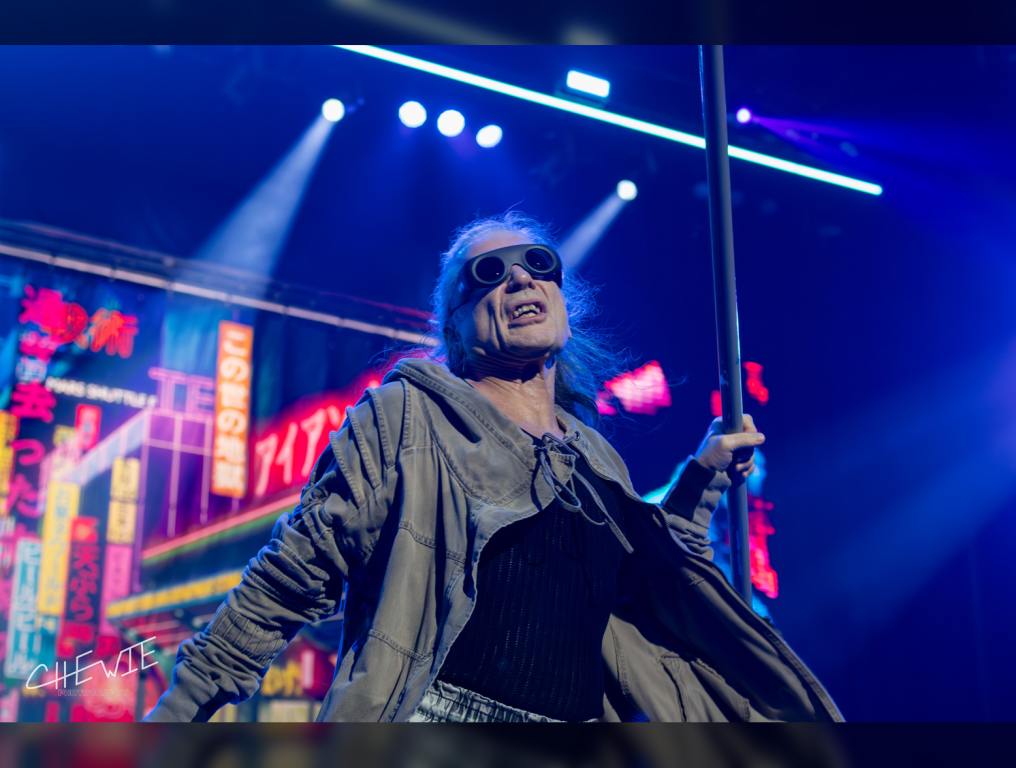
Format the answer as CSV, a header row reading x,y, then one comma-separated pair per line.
x,y
285,452
763,576
643,391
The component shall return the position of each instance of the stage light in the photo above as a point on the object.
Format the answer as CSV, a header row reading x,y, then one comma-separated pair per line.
x,y
627,190
584,83
743,115
333,110
412,114
602,115
489,136
451,122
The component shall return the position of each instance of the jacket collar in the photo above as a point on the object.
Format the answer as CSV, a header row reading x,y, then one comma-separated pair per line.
x,y
478,412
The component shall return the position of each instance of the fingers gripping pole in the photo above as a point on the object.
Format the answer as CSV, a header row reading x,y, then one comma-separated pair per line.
x,y
714,116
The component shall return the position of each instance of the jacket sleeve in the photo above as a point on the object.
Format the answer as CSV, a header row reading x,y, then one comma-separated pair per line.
x,y
297,577
689,505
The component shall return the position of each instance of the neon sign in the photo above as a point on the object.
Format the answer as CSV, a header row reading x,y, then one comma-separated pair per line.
x,y
763,576
81,613
643,391
232,409
284,454
87,419
61,508
110,330
753,382
8,430
199,397
759,530
125,480
22,494
24,641
64,321
757,390
90,391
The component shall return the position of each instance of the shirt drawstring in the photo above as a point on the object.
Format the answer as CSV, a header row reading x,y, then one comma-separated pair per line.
x,y
565,494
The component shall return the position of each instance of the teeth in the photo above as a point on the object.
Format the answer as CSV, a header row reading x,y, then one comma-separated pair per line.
x,y
525,309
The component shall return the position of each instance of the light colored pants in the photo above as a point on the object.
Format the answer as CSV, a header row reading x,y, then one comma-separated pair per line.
x,y
446,703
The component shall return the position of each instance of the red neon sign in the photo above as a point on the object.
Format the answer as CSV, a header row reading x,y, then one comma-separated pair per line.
x,y
87,419
81,612
61,320
285,452
757,390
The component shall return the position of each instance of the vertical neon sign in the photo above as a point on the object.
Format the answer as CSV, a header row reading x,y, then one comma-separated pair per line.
x,y
232,409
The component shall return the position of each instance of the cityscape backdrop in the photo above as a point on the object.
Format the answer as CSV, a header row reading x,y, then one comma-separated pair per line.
x,y
206,255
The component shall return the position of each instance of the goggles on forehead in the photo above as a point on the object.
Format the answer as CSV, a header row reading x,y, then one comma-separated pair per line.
x,y
493,267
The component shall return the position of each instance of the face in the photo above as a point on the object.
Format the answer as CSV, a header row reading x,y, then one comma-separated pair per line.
x,y
489,325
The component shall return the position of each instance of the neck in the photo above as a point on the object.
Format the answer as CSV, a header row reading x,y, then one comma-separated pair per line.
x,y
525,395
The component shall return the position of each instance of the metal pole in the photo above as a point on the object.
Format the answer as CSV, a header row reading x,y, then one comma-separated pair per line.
x,y
721,230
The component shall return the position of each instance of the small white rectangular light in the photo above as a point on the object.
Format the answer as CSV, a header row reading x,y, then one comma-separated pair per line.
x,y
580,81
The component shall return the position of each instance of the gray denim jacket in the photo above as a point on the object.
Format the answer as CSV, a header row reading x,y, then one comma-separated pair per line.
x,y
422,474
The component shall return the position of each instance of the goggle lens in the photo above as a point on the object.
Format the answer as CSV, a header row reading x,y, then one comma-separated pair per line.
x,y
489,270
538,260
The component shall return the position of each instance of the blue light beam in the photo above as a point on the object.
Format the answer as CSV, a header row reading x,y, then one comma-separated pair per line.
x,y
254,234
587,233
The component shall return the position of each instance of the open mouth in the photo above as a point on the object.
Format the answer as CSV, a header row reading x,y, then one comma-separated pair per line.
x,y
528,310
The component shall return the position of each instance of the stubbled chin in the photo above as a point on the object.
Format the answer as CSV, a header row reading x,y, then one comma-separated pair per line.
x,y
532,348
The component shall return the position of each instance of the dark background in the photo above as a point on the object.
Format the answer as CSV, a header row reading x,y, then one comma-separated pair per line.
x,y
885,324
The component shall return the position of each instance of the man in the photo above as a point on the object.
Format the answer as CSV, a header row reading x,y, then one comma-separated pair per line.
x,y
499,564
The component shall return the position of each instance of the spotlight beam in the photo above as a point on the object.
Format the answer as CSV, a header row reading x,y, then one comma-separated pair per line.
x,y
605,116
254,234
587,233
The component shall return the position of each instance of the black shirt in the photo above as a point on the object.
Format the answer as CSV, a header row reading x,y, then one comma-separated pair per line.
x,y
545,588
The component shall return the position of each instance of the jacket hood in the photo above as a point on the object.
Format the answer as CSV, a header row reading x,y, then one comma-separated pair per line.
x,y
473,410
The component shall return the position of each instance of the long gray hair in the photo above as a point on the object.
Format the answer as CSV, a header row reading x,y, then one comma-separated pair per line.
x,y
583,364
